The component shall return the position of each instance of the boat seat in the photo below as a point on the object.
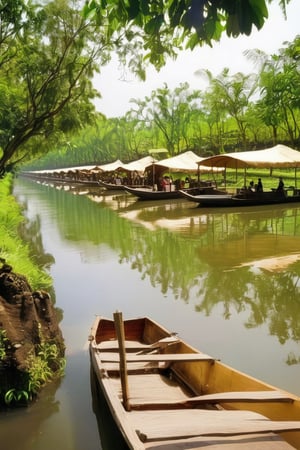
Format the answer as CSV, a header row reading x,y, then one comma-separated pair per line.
x,y
157,357
221,397
151,426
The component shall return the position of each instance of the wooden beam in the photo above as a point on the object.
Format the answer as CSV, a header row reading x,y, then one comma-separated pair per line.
x,y
158,357
184,424
119,326
221,397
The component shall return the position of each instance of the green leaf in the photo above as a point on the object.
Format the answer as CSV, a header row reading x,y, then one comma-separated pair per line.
x,y
154,24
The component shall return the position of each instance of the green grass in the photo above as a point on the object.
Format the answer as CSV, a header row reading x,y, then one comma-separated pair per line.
x,y
13,249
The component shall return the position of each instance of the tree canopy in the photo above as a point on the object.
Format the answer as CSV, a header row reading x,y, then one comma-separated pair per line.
x,y
48,56
161,27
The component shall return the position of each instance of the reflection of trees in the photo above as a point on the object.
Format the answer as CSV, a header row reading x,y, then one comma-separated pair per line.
x,y
212,265
271,299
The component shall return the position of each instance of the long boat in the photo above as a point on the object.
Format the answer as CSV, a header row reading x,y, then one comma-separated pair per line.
x,y
164,394
246,198
151,194
119,187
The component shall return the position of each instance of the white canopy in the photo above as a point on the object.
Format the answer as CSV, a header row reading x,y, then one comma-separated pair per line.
x,y
111,166
279,156
185,162
139,165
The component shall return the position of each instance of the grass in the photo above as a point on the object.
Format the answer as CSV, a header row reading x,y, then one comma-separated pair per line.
x,y
46,362
13,250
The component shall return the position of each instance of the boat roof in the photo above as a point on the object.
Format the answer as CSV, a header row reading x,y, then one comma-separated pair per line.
x,y
279,156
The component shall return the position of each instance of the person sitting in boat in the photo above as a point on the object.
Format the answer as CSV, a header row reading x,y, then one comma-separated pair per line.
x,y
166,184
251,186
280,187
259,186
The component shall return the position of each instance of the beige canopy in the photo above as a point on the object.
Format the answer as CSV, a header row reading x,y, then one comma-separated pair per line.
x,y
279,156
139,165
110,167
185,162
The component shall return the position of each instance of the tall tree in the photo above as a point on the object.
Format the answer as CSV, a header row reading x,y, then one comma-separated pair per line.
x,y
169,111
279,81
233,94
48,55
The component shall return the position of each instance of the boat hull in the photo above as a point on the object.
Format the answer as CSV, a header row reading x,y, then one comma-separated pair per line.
x,y
252,199
180,397
150,194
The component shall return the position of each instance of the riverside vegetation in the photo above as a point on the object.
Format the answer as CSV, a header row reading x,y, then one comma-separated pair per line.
x,y
31,343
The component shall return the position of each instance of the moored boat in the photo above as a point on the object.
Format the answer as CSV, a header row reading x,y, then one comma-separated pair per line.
x,y
164,394
152,194
245,198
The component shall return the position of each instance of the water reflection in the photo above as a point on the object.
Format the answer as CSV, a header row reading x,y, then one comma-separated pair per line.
x,y
21,428
110,436
242,260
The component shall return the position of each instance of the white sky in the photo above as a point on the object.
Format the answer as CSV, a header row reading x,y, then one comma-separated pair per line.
x,y
116,93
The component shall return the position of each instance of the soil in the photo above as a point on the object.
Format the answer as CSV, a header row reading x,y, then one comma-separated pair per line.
x,y
28,318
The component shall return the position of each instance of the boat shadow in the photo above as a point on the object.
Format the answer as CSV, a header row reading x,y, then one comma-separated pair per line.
x,y
110,435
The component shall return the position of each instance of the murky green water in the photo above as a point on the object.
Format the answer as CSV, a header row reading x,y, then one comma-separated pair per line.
x,y
226,280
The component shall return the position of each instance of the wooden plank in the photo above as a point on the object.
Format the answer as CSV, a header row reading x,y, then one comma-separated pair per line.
x,y
184,424
221,397
157,357
112,345
255,441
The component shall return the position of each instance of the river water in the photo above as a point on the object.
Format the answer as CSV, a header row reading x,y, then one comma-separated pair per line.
x,y
226,280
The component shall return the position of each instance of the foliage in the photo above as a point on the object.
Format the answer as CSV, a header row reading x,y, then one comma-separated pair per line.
x,y
162,27
234,112
3,342
44,364
48,56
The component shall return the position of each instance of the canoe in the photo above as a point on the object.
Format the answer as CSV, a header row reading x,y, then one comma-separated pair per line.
x,y
164,394
242,199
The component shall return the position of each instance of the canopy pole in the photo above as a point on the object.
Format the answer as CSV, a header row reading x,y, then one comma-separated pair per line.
x,y
153,176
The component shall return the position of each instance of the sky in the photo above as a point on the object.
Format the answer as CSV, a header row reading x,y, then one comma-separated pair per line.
x,y
117,92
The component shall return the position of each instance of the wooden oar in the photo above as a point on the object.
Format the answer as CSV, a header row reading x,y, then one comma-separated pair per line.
x,y
161,343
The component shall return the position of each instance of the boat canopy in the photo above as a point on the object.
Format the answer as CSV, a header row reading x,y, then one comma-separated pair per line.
x,y
139,165
110,167
279,156
185,162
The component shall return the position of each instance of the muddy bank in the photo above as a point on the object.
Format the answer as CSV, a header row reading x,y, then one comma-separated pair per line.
x,y
31,343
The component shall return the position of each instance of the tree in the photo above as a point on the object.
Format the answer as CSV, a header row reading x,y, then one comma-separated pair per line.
x,y
48,55
161,27
231,95
279,81
170,113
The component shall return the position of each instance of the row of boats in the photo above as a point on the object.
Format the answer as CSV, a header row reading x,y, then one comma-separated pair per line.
x,y
208,195
201,192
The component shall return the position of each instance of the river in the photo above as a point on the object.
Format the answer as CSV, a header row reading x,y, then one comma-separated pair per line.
x,y
226,280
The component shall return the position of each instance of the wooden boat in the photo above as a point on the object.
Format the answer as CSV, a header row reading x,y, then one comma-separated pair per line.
x,y
246,198
151,194
119,187
164,394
